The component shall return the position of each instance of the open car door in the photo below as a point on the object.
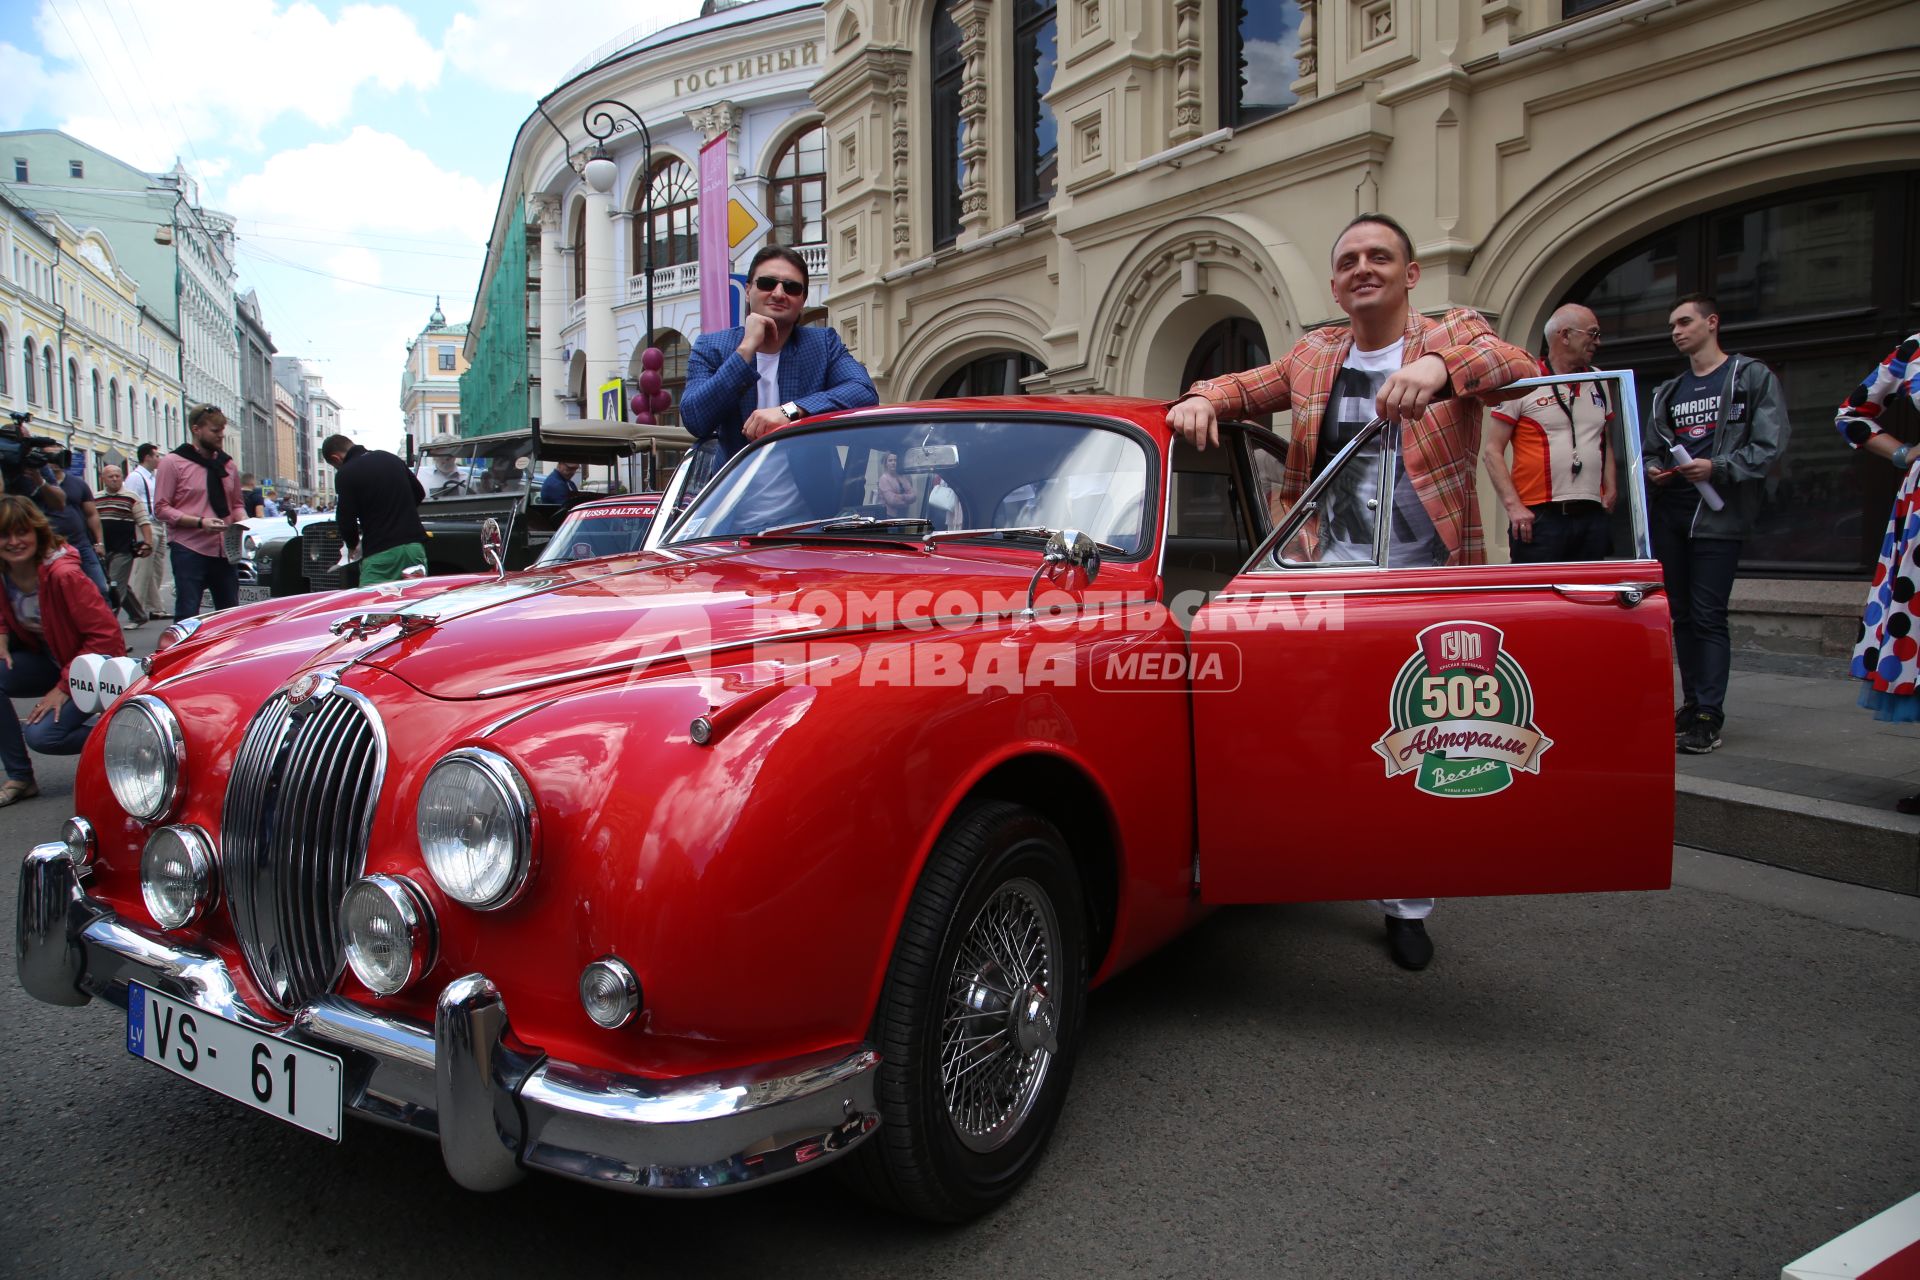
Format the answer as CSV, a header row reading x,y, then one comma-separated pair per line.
x,y
1433,731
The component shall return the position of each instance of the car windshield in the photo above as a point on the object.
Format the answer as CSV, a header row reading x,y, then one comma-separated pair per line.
x,y
476,465
610,530
954,474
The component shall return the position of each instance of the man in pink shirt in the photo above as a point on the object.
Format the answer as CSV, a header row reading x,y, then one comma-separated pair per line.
x,y
196,496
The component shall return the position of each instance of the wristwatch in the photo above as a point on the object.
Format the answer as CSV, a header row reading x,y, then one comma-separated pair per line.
x,y
793,411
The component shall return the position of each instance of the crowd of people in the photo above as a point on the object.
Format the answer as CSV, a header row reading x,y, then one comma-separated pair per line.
x,y
1712,436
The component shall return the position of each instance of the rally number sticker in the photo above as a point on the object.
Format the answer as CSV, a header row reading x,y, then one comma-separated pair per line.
x,y
1461,714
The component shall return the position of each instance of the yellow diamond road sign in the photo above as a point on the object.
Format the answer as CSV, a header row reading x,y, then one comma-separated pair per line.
x,y
743,219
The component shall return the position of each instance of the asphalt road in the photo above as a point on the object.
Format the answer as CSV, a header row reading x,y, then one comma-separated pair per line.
x,y
1704,1082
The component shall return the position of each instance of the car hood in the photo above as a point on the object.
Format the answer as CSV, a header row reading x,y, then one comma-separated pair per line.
x,y
546,627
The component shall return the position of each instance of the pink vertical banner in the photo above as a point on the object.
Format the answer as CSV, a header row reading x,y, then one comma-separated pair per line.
x,y
715,308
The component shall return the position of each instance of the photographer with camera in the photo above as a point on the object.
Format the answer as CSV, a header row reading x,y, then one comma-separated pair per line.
x,y
197,495
50,614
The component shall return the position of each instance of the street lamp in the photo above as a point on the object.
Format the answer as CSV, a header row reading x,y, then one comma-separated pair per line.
x,y
604,119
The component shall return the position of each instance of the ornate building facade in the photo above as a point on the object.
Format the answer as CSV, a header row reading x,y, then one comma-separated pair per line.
x,y
253,411
430,386
181,254
573,272
78,350
1125,195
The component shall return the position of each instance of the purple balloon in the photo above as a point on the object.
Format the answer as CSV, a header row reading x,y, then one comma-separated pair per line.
x,y
653,358
649,381
644,418
662,400
637,403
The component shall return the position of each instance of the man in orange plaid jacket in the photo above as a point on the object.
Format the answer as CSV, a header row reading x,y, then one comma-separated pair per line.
x,y
1432,375
1447,368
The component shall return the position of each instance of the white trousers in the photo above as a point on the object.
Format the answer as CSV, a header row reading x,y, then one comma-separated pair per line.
x,y
1406,908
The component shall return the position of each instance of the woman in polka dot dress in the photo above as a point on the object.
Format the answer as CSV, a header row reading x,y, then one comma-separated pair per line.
x,y
1887,654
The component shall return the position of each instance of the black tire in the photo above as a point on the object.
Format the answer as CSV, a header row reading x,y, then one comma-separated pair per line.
x,y
925,1160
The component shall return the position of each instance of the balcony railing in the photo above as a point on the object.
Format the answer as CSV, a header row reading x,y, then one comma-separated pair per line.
x,y
684,277
576,311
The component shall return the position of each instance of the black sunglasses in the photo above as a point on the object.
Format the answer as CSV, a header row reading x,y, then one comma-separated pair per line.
x,y
767,284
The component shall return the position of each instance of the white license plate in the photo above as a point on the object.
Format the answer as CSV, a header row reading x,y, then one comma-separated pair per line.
x,y
255,594
287,1081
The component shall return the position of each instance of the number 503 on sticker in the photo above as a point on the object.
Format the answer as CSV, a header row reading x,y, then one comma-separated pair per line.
x,y
287,1081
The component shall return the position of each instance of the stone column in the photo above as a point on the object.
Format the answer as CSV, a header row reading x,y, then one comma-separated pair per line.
x,y
1186,71
976,218
603,341
553,308
1308,57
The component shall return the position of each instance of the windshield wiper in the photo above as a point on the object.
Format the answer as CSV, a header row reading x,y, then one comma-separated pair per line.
x,y
844,524
1038,532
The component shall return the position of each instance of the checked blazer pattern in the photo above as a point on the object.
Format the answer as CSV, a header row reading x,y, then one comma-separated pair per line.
x,y
817,372
1441,450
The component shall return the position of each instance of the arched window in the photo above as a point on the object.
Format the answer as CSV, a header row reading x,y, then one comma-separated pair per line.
x,y
997,373
675,230
53,388
947,67
1810,281
113,403
98,417
1230,344
578,241
1036,155
73,387
1259,42
133,410
26,379
3,360
799,189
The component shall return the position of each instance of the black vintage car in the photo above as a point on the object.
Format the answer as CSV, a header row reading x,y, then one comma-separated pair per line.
x,y
501,477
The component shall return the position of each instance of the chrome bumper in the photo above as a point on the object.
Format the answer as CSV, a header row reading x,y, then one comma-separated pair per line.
x,y
497,1106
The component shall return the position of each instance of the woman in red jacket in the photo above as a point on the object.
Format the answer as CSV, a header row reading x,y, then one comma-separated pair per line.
x,y
50,614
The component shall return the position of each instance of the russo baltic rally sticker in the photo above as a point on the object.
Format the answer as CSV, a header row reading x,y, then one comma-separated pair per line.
x,y
1462,714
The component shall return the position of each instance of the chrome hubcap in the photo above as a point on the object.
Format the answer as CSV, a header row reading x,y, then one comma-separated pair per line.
x,y
999,1036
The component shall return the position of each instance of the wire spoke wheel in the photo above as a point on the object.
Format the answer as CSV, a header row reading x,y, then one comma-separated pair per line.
x,y
997,1038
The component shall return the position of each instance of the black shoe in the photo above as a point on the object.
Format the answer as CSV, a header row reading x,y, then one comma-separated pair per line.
x,y
1908,804
1702,735
1408,942
1684,717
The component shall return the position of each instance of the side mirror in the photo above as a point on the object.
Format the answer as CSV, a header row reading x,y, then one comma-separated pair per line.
x,y
293,519
493,546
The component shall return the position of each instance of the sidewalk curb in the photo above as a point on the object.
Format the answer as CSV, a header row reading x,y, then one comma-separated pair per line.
x,y
1828,838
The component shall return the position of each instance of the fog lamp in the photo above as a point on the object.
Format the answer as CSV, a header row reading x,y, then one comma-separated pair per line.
x,y
176,876
77,835
609,992
387,928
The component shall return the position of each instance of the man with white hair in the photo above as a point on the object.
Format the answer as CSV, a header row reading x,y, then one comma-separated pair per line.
x,y
1559,491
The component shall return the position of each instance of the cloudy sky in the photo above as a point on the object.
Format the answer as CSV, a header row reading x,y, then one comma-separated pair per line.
x,y
360,145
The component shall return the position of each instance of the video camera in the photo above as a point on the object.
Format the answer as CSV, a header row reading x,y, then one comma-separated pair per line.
x,y
21,453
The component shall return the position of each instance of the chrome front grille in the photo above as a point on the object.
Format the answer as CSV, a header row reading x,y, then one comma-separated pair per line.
x,y
294,834
319,549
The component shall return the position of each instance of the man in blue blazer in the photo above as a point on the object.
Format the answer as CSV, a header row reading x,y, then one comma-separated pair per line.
x,y
745,381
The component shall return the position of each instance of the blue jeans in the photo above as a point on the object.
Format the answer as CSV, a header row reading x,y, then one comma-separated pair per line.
x,y
29,675
193,572
1699,573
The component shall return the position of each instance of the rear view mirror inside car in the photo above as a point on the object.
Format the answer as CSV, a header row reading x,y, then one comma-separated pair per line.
x,y
930,457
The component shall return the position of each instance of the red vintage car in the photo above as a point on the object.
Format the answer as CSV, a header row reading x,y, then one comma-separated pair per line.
x,y
802,835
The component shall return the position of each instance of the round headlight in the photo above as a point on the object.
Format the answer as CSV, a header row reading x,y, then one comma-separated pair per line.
x,y
77,835
249,545
609,991
144,754
388,931
476,828
176,876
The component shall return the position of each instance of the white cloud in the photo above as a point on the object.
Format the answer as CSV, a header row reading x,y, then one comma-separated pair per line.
x,y
369,181
26,82
1272,68
355,266
527,46
146,80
